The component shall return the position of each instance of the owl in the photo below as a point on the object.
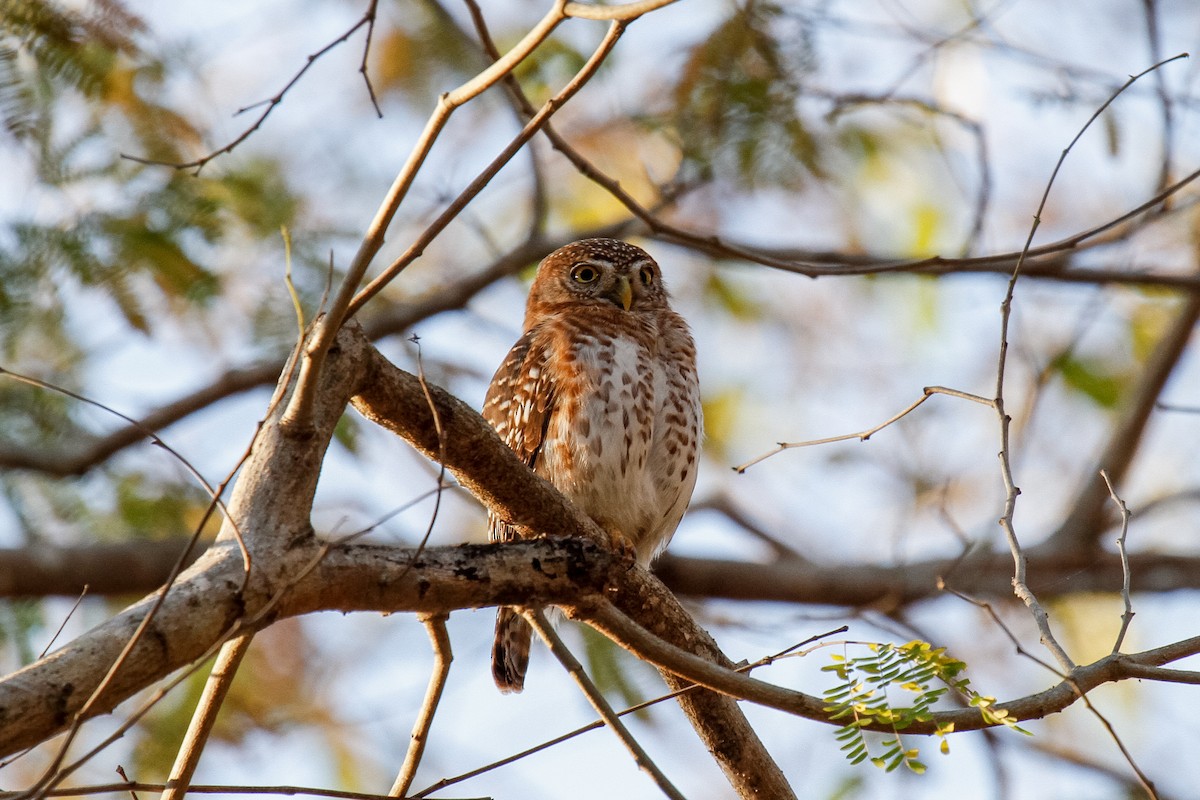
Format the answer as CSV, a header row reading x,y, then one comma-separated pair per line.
x,y
600,397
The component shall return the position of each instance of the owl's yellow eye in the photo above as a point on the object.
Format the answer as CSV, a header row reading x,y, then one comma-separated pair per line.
x,y
646,275
584,273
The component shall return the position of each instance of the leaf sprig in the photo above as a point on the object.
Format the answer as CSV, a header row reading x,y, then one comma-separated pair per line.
x,y
917,668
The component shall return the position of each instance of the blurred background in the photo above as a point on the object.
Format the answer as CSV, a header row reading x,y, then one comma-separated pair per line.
x,y
847,139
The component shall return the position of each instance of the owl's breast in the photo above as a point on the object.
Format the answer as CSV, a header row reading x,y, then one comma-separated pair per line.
x,y
607,441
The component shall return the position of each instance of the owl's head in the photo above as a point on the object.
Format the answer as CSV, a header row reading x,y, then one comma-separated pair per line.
x,y
603,272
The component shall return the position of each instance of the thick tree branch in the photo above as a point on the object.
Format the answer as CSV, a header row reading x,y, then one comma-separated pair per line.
x,y
861,585
293,574
126,568
136,568
1082,679
493,473
204,606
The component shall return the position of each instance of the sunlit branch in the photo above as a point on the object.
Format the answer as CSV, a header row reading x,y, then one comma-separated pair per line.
x,y
622,12
220,679
1020,585
1123,553
535,124
611,719
348,300
439,637
862,436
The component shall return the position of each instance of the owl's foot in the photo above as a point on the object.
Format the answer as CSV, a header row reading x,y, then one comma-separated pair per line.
x,y
623,547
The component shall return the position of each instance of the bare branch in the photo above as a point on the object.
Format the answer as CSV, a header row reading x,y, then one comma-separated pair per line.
x,y
270,103
1020,562
1045,261
613,720
623,12
535,124
653,649
864,435
348,298
1127,616
205,716
138,567
439,637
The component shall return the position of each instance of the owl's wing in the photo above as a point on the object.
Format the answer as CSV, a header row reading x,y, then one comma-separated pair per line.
x,y
518,405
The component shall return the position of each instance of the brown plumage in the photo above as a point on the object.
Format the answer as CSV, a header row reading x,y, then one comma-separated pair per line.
x,y
600,397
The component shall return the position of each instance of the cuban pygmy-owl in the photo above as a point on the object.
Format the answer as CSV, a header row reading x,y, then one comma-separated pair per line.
x,y
600,397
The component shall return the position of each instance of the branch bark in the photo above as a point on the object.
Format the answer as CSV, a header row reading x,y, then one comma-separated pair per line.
x,y
294,573
138,567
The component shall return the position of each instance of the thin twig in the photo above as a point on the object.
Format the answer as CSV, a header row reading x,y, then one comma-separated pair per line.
x,y
1127,615
1020,586
1165,103
1177,407
596,698
214,494
722,503
991,612
220,679
362,67
63,624
582,164
441,460
125,777
271,103
343,307
815,265
596,725
535,124
435,624
1147,784
863,436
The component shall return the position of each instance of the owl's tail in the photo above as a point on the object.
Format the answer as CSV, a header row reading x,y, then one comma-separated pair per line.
x,y
510,650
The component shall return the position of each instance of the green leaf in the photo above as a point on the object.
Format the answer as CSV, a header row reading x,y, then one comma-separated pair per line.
x,y
916,668
1093,378
609,668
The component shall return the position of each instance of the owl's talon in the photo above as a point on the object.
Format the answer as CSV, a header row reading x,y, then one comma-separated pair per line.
x,y
623,547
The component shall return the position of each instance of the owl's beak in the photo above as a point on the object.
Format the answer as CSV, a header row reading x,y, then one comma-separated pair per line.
x,y
622,293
